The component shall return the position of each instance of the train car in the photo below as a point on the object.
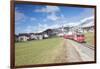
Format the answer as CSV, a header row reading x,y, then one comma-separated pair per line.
x,y
68,36
79,38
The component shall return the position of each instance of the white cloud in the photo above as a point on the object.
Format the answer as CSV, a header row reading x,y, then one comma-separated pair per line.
x,y
58,21
54,26
19,17
51,12
42,27
29,29
48,9
53,17
39,28
52,9
34,29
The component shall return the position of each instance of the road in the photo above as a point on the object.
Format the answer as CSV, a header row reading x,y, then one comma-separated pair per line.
x,y
78,52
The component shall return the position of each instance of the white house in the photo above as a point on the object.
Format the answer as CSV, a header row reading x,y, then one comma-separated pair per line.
x,y
45,36
23,37
40,37
33,36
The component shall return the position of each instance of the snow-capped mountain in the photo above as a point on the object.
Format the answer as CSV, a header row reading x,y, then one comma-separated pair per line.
x,y
88,22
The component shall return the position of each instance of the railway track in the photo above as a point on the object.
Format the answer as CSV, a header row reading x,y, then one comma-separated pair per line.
x,y
86,52
88,46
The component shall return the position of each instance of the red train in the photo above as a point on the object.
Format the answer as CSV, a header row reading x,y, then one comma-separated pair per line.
x,y
77,37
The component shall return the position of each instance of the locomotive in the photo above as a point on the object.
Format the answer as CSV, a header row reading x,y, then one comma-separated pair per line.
x,y
79,37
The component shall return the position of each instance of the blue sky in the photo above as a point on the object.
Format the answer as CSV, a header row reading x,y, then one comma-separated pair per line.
x,y
31,18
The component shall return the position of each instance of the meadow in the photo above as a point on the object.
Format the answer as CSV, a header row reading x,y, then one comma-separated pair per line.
x,y
89,38
37,51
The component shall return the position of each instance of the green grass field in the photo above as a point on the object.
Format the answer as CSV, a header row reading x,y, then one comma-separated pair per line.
x,y
37,51
89,38
43,51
